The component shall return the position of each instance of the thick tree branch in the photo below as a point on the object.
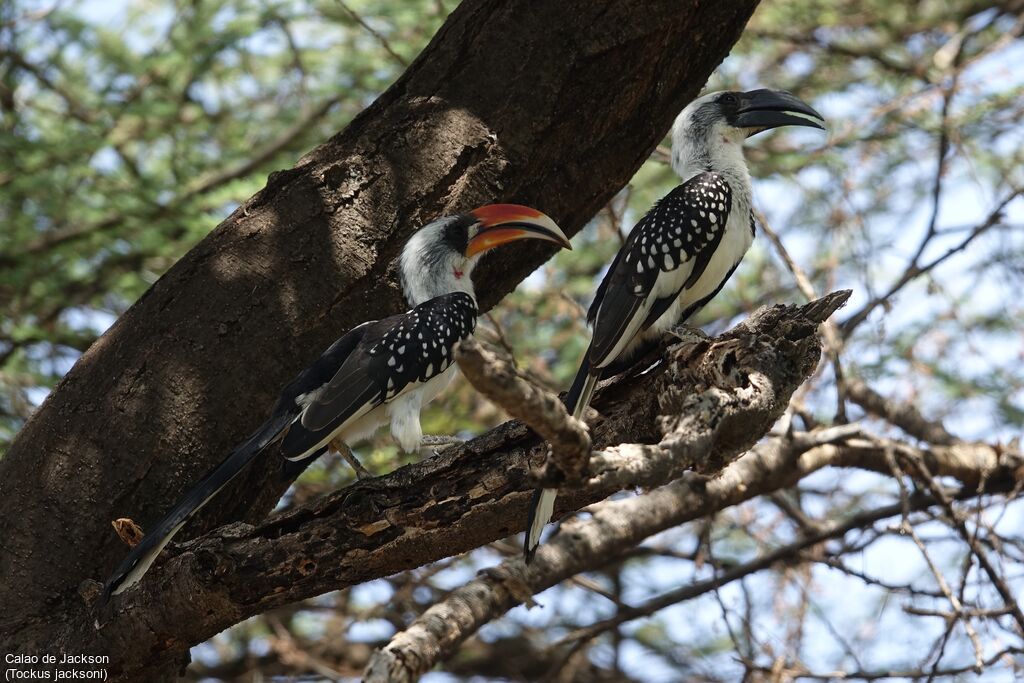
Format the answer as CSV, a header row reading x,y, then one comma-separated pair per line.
x,y
738,385
497,379
971,463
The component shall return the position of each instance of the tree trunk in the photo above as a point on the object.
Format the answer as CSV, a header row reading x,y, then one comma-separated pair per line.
x,y
554,105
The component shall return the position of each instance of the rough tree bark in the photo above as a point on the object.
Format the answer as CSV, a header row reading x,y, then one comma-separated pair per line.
x,y
549,104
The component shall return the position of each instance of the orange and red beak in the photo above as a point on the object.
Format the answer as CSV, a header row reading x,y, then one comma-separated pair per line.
x,y
503,223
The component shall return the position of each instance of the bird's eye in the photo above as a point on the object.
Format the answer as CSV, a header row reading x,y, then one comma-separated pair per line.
x,y
729,98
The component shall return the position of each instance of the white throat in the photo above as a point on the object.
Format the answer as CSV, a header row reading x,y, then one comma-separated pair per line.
x,y
717,148
430,268
702,145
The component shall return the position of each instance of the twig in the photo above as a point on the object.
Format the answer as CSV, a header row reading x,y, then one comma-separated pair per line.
x,y
381,39
914,270
833,339
496,378
940,579
976,613
201,186
787,552
907,674
1000,584
905,416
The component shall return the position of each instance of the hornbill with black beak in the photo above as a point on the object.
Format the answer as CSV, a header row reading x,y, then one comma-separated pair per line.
x,y
683,250
383,370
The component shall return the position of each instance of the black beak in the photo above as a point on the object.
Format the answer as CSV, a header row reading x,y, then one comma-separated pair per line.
x,y
761,110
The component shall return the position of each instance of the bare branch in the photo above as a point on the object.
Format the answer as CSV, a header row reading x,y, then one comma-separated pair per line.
x,y
906,416
614,528
833,339
496,378
915,270
801,673
956,519
791,551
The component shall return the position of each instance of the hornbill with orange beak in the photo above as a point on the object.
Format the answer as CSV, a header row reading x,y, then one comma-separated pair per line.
x,y
683,250
383,370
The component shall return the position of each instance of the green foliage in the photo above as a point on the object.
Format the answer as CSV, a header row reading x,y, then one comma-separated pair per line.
x,y
129,130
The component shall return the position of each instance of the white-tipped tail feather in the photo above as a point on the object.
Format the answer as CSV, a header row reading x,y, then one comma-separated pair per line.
x,y
543,504
142,556
541,509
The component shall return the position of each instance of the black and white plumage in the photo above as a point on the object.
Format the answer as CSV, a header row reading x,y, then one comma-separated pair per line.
x,y
667,252
387,368
381,371
681,253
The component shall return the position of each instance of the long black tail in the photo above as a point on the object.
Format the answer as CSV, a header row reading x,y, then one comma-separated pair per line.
x,y
543,504
138,561
291,469
579,385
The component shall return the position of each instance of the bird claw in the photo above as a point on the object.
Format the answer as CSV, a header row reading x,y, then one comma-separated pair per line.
x,y
361,472
440,442
685,333
344,451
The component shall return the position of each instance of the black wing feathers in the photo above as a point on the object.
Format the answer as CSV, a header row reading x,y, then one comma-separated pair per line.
x,y
390,355
321,371
602,289
618,308
686,225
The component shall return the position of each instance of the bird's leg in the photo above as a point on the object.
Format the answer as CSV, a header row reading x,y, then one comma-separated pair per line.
x,y
344,451
685,333
440,442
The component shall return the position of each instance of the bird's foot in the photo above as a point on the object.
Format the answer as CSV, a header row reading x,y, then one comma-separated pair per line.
x,y
439,442
685,333
344,451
